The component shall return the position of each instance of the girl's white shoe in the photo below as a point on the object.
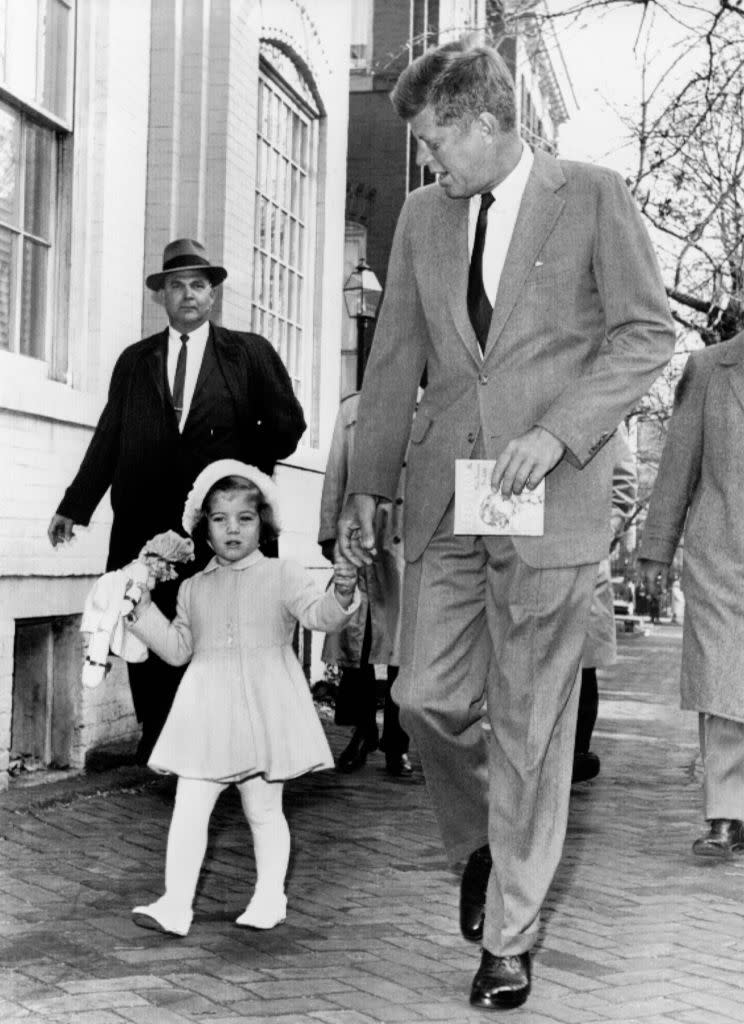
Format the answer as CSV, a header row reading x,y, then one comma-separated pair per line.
x,y
159,917
264,912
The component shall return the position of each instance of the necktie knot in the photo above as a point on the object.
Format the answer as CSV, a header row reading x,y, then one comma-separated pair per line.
x,y
184,338
486,200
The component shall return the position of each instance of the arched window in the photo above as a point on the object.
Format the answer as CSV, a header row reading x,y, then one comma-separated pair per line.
x,y
284,233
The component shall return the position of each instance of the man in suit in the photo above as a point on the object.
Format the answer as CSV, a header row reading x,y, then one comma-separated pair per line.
x,y
529,288
699,490
178,400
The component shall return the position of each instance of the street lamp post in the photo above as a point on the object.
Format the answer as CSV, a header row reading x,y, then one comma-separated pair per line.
x,y
362,294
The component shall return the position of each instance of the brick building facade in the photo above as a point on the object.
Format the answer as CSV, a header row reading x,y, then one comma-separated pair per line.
x,y
124,123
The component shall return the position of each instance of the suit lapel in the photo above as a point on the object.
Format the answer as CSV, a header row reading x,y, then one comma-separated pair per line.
x,y
538,212
207,368
227,359
451,239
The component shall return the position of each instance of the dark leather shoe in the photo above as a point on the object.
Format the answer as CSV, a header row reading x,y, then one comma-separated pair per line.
x,y
725,837
585,767
398,765
473,894
501,982
354,755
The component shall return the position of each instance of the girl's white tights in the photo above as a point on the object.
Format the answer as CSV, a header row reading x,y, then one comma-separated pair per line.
x,y
187,838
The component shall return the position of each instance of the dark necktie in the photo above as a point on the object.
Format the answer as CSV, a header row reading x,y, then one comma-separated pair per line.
x,y
180,378
479,308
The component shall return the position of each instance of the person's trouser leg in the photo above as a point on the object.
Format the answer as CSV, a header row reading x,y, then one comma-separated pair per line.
x,y
394,738
477,621
154,683
187,840
588,709
445,653
357,702
722,749
537,622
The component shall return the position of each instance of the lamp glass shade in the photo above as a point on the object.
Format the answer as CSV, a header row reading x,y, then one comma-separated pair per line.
x,y
362,292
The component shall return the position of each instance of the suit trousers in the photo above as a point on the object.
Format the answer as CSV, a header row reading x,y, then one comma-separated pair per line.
x,y
722,749
153,682
490,657
356,701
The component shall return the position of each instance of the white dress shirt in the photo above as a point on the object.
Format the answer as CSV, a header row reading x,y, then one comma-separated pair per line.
x,y
194,354
502,216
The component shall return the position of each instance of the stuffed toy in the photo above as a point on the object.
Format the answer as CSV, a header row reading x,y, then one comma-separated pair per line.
x,y
116,594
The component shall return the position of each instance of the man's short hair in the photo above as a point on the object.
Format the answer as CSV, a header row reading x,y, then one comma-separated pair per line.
x,y
459,83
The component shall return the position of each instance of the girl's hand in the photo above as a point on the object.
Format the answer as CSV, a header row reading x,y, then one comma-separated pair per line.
x,y
344,581
139,605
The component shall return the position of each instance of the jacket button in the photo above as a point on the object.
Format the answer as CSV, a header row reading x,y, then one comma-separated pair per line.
x,y
398,501
396,540
471,437
483,378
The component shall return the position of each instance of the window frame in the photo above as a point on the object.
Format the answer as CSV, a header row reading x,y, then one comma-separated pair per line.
x,y
291,335
54,341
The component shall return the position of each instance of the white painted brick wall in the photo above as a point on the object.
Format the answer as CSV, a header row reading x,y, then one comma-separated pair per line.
x,y
45,436
113,246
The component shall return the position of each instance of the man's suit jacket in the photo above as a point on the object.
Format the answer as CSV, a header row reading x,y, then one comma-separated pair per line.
x,y
580,328
243,407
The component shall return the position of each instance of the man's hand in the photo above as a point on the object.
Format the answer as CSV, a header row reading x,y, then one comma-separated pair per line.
x,y
653,574
525,461
356,529
60,530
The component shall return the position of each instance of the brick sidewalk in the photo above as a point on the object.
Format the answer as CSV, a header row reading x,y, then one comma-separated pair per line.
x,y
635,930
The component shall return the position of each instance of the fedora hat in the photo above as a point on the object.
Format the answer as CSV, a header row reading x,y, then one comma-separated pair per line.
x,y
185,254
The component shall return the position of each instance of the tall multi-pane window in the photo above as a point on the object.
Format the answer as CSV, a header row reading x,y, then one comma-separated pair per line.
x,y
35,104
285,205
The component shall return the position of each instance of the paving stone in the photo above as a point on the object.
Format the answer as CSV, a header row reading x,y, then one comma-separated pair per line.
x,y
635,929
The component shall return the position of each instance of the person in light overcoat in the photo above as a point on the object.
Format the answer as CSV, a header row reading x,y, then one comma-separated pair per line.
x,y
600,643
699,490
372,636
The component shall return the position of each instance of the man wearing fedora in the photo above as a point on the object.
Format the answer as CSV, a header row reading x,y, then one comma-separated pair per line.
x,y
178,400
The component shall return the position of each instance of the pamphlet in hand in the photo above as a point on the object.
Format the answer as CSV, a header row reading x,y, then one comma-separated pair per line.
x,y
481,510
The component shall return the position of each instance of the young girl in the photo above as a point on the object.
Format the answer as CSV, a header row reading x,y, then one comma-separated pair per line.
x,y
243,712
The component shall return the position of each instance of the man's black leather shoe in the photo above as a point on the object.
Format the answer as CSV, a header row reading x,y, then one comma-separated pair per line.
x,y
473,894
725,838
585,767
501,982
398,765
354,755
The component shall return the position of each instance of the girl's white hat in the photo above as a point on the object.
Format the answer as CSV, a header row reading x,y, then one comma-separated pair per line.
x,y
193,509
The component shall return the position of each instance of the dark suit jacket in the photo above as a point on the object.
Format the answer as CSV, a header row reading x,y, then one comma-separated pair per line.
x,y
243,407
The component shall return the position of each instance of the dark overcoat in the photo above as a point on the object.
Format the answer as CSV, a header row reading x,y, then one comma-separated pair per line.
x,y
243,407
